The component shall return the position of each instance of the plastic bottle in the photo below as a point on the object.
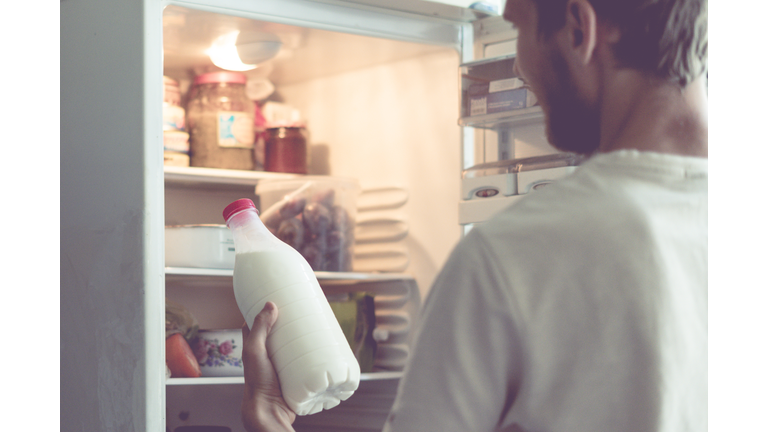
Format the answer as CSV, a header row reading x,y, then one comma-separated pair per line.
x,y
312,358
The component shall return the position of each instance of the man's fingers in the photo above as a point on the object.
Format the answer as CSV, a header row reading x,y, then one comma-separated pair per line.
x,y
263,323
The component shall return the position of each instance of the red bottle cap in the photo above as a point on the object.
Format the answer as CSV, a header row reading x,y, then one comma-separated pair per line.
x,y
239,205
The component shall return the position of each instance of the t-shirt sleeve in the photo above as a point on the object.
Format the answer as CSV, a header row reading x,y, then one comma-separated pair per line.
x,y
465,363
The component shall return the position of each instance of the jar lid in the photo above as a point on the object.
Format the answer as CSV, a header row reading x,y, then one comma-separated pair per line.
x,y
238,206
220,77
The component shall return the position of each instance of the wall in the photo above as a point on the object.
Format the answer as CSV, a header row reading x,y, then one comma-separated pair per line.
x,y
396,124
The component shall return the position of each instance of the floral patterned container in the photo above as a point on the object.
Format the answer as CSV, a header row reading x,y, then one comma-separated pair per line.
x,y
219,352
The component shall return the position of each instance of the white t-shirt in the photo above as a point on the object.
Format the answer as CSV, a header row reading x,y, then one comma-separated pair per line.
x,y
581,308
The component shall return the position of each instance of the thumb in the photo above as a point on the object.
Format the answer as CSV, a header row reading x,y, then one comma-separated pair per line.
x,y
262,325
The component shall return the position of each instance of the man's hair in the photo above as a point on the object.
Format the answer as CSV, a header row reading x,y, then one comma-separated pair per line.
x,y
667,38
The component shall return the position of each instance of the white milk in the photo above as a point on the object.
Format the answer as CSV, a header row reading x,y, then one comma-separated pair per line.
x,y
312,358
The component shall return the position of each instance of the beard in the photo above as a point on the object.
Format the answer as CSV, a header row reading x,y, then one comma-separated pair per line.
x,y
571,124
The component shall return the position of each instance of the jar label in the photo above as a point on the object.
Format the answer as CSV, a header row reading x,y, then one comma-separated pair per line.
x,y
235,129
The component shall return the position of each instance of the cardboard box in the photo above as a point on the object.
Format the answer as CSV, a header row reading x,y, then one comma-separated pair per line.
x,y
490,86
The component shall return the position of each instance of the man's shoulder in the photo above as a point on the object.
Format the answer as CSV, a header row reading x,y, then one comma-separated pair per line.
x,y
573,209
557,207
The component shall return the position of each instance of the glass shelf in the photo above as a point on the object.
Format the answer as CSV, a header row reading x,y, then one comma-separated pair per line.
x,y
370,376
190,272
217,178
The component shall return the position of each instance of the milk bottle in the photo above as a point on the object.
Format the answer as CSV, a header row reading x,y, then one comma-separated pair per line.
x,y
312,358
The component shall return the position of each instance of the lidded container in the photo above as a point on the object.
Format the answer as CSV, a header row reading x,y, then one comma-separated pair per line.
x,y
285,150
200,246
220,122
312,357
516,176
315,215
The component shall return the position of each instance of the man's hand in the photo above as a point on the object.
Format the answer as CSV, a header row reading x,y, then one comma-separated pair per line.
x,y
263,407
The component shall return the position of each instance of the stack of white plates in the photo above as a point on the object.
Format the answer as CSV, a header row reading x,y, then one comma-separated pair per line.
x,y
380,231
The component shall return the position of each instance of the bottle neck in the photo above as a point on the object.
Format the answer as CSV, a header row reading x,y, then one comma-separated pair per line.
x,y
243,218
249,233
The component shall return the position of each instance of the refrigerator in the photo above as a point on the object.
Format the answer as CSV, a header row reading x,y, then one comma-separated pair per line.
x,y
383,88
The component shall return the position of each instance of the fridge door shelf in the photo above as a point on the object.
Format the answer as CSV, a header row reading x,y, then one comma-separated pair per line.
x,y
494,97
504,120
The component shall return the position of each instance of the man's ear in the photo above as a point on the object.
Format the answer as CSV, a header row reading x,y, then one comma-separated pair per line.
x,y
580,31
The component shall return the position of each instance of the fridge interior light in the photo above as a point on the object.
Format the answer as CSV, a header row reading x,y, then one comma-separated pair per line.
x,y
238,51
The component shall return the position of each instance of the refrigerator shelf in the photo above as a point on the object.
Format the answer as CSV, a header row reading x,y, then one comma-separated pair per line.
x,y
370,376
180,273
202,177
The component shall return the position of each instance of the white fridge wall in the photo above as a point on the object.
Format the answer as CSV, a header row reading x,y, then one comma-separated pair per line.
x,y
395,125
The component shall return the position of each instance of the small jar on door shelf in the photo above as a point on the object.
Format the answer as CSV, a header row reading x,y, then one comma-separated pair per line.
x,y
220,122
285,150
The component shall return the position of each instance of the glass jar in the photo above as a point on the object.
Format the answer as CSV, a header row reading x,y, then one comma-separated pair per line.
x,y
220,122
285,150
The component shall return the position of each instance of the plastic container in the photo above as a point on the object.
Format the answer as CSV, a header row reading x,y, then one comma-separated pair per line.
x,y
285,150
220,122
315,215
199,246
516,176
312,358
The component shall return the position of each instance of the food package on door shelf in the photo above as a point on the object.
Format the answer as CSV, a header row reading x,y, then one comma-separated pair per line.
x,y
180,329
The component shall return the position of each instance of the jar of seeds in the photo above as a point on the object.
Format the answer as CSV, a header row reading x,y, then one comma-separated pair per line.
x,y
220,122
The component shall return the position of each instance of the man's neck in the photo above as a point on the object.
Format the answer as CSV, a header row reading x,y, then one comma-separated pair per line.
x,y
640,113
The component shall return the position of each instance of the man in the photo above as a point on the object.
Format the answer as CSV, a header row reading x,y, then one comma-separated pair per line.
x,y
583,307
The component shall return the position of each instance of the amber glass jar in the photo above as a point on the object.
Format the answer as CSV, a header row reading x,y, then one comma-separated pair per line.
x,y
220,122
285,150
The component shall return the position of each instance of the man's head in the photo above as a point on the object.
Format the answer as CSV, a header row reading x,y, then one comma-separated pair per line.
x,y
665,38
565,47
